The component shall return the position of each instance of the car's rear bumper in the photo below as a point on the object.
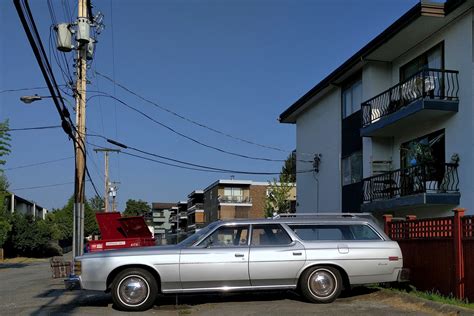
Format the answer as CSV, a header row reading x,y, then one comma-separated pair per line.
x,y
403,275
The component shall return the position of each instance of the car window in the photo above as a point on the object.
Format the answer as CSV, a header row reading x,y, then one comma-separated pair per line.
x,y
363,232
195,237
228,236
335,232
269,235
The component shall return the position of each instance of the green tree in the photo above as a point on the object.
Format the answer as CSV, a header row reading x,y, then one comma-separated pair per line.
x,y
97,203
30,237
5,139
5,225
136,208
3,193
62,219
289,168
278,196
5,228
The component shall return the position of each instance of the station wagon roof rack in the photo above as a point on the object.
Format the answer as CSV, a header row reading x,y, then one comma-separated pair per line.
x,y
366,216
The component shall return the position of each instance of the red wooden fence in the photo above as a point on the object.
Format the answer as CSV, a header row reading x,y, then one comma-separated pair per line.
x,y
438,251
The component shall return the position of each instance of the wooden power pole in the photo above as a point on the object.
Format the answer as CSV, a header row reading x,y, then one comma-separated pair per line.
x,y
80,148
106,173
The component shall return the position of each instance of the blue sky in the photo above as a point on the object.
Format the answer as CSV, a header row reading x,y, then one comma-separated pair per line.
x,y
231,65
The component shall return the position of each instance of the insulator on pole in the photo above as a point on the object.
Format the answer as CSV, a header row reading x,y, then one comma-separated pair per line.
x,y
90,49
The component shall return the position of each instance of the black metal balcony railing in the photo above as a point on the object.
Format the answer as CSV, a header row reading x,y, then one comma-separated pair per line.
x,y
235,199
431,178
436,84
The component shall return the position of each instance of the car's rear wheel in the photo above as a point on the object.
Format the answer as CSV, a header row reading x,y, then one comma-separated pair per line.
x,y
321,284
134,290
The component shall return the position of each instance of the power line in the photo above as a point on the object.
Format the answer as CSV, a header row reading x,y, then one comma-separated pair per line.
x,y
39,163
191,120
43,186
104,94
23,89
30,128
191,166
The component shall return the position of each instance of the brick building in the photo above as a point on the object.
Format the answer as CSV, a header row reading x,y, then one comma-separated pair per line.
x,y
227,199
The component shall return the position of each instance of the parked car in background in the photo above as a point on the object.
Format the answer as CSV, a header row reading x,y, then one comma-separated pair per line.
x,y
318,255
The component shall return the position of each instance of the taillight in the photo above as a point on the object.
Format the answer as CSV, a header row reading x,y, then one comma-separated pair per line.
x,y
393,258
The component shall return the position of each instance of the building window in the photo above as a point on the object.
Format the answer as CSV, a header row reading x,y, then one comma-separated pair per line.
x,y
433,59
428,149
351,98
352,168
234,192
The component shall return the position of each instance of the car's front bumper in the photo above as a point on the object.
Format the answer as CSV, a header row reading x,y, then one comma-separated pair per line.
x,y
72,283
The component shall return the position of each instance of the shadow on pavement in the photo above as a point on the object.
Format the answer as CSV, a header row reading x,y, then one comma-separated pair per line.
x,y
358,291
183,301
61,305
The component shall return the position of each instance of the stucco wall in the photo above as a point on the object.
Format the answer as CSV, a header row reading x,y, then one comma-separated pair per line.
x,y
318,130
459,131
376,78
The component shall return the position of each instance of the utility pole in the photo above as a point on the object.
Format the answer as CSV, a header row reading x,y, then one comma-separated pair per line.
x,y
106,173
85,51
80,95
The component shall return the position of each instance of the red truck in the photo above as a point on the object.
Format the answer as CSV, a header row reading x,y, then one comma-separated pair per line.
x,y
120,232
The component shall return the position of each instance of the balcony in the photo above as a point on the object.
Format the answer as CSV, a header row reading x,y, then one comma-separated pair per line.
x,y
233,199
416,186
427,95
195,207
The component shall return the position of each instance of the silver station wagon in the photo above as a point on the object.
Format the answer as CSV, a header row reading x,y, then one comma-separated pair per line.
x,y
318,255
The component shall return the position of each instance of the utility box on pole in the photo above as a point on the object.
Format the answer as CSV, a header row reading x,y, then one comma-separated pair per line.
x,y
64,37
83,30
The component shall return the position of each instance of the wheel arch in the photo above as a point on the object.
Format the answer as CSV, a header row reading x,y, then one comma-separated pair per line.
x,y
345,277
117,270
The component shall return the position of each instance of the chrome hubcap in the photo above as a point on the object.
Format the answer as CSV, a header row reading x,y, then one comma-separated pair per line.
x,y
322,283
133,290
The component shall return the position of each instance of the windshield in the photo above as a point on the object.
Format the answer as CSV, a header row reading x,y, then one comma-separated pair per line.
x,y
195,237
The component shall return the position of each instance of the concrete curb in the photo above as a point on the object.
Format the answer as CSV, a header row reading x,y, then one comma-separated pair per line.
x,y
436,306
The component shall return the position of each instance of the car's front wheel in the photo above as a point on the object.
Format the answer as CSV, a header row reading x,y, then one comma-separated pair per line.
x,y
321,284
134,290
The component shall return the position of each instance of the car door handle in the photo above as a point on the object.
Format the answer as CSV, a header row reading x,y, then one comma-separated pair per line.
x,y
297,253
239,254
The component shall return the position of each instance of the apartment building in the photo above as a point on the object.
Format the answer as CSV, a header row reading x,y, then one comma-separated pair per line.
x,y
15,203
195,211
178,222
227,199
161,212
400,113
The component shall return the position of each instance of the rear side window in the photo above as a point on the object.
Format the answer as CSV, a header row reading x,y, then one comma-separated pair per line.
x,y
334,232
269,235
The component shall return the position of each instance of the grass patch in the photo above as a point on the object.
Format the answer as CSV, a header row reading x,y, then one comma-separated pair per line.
x,y
434,296
22,260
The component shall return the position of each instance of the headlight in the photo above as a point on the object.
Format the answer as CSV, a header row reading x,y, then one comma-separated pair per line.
x,y
77,267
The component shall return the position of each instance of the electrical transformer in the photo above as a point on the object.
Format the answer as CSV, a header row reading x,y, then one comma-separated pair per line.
x,y
64,37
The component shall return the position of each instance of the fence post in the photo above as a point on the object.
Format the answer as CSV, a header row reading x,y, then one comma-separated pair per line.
x,y
458,253
386,220
409,226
